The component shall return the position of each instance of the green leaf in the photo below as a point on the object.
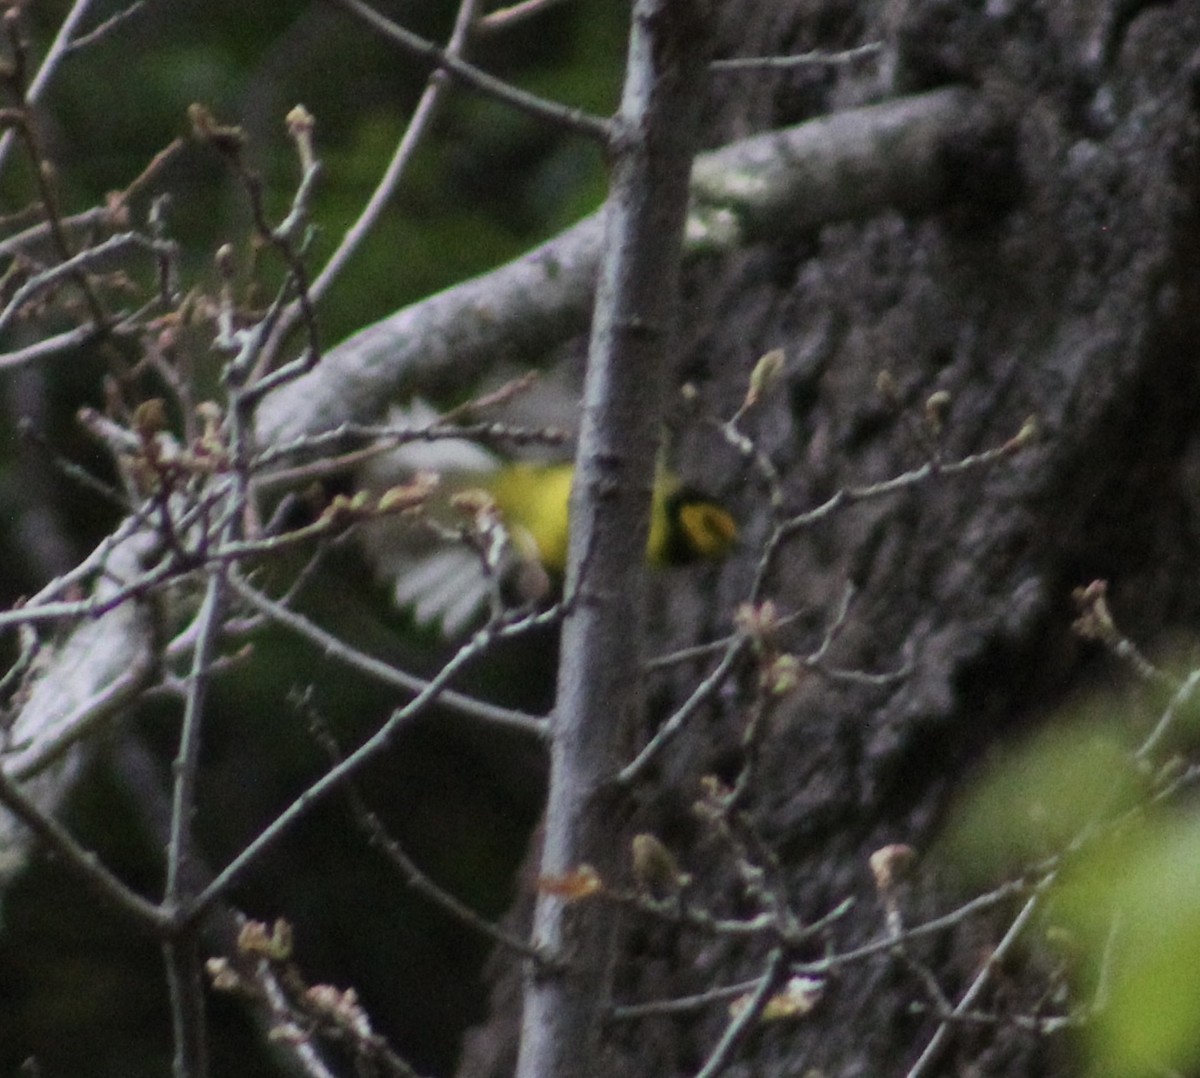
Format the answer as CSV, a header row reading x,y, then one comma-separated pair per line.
x,y
1135,907
1037,800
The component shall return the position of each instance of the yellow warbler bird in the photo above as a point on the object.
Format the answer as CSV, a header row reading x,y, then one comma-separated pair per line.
x,y
685,526
512,522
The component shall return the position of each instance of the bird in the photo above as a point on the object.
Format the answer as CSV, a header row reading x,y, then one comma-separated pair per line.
x,y
498,534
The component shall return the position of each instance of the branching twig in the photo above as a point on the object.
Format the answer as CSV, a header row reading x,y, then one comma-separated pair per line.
x,y
736,1031
404,865
372,747
816,58
108,26
418,125
84,864
505,17
334,648
929,1056
59,48
570,119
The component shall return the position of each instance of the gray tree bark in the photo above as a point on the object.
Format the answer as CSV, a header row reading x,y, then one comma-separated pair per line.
x,y
1060,280
599,696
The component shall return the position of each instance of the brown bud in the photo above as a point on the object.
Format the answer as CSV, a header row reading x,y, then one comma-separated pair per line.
x,y
150,418
225,261
887,387
276,945
300,120
473,502
781,675
654,866
1027,435
937,407
1095,621
766,373
300,124
224,977
225,138
891,864
759,622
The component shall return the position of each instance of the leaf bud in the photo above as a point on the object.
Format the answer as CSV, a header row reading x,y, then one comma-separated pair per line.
x,y
937,407
766,373
654,866
891,864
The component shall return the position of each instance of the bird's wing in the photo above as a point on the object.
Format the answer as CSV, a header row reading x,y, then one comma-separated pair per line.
x,y
442,582
445,586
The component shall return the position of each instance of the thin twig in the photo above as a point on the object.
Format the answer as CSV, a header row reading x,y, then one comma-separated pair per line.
x,y
848,495
106,27
929,1056
364,225
735,649
574,120
409,871
47,346
84,864
838,960
683,1004
186,989
372,747
58,50
506,17
816,58
333,647
736,1031
75,265
1183,694
82,721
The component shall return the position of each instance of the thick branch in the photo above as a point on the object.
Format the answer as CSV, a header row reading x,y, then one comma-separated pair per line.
x,y
850,165
598,686
88,679
764,185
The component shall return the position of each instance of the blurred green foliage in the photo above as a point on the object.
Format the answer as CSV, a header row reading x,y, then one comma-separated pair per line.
x,y
1078,800
1035,801
1134,905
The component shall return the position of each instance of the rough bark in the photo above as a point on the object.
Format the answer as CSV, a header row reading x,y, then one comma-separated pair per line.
x,y
1065,286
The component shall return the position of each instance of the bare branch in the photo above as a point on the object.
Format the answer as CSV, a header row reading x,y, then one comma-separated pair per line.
x,y
83,863
418,125
372,747
816,58
929,1056
408,870
736,1031
58,50
765,186
338,650
77,685
108,26
838,167
599,693
574,120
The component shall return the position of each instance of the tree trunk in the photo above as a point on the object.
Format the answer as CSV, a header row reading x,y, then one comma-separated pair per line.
x,y
1060,281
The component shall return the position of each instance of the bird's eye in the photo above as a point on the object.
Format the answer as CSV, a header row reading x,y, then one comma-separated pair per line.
x,y
710,530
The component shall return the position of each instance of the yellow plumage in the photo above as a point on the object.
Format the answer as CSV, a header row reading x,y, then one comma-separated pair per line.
x,y
684,525
534,497
527,508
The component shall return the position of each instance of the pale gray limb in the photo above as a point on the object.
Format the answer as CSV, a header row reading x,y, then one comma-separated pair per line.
x,y
85,681
849,165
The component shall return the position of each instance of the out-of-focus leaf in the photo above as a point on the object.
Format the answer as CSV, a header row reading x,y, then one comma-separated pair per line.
x,y
1034,802
1135,907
